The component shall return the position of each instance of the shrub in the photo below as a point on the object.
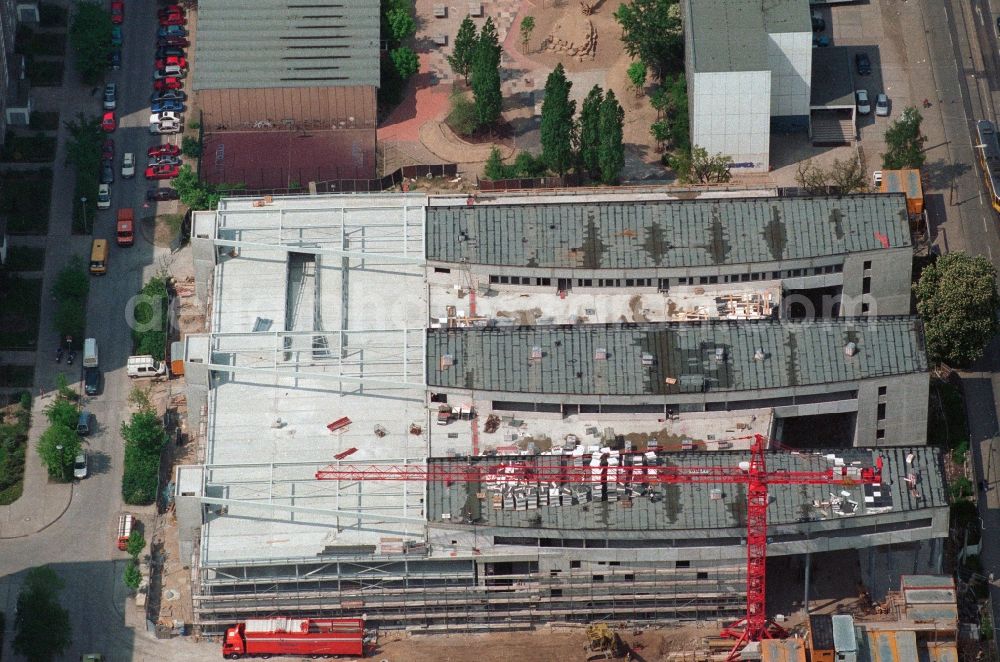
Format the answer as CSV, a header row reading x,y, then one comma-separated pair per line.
x,y
132,577
144,440
462,117
191,147
150,331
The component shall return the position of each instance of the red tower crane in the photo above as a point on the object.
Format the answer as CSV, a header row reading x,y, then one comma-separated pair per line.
x,y
755,625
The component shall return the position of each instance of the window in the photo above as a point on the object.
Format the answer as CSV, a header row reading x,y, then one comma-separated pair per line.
x,y
682,564
756,276
868,265
775,274
441,270
866,285
882,390
629,282
837,268
515,280
504,280
881,411
494,279
864,307
597,578
614,563
545,281
744,278
555,593
880,434
713,279
554,573
702,575
574,564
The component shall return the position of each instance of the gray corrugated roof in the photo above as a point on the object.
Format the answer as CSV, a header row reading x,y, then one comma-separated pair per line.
x,y
797,354
685,507
669,233
731,35
286,43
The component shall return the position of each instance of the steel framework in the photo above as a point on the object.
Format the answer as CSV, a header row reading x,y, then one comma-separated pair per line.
x,y
604,469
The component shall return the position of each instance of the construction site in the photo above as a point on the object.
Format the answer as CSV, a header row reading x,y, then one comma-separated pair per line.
x,y
621,419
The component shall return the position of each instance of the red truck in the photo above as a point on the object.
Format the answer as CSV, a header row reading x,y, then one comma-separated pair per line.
x,y
126,227
313,637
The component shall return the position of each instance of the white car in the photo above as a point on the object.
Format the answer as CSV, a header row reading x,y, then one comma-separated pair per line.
x,y
171,71
166,127
80,466
110,96
877,180
882,105
128,165
864,105
169,116
104,196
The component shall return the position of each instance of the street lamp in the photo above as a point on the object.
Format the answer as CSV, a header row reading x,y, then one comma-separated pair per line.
x,y
62,467
83,203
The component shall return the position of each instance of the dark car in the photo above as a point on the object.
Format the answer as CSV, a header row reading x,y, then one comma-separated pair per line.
x,y
171,31
179,42
169,51
91,380
115,59
165,95
107,172
863,64
162,194
167,106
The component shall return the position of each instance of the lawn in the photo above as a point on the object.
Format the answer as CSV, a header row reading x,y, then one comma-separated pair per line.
x,y
19,314
25,258
45,73
13,444
38,148
44,121
17,376
24,199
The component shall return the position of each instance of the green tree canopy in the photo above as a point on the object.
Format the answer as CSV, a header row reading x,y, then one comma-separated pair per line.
x,y
637,76
465,46
42,627
90,38
145,431
698,167
83,149
63,412
957,298
557,128
72,281
401,23
611,152
406,62
132,575
136,543
59,462
652,33
527,27
494,168
197,194
485,76
904,144
590,131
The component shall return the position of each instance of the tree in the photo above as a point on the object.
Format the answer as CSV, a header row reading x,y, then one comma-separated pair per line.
x,y
72,281
132,576
637,76
41,625
191,147
611,152
401,24
83,149
527,27
557,122
494,168
145,431
697,167
485,76
90,38
406,62
462,52
652,32
63,412
811,177
135,544
903,142
200,195
849,175
144,439
59,461
139,398
590,131
957,298
462,117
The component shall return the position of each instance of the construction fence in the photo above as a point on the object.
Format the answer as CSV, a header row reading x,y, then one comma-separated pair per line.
x,y
390,181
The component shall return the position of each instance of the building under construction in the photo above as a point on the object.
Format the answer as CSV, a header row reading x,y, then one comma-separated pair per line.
x,y
389,433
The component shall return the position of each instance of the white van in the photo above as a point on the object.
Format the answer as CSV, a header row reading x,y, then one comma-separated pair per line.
x,y
90,353
145,366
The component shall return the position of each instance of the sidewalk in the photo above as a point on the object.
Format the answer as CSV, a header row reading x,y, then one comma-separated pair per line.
x,y
43,502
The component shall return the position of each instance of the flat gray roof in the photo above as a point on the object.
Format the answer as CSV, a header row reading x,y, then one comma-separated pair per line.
x,y
280,43
688,506
685,356
669,233
731,35
832,85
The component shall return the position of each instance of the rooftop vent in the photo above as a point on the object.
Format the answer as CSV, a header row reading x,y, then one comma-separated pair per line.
x,y
600,354
647,359
759,354
536,353
850,349
447,361
720,354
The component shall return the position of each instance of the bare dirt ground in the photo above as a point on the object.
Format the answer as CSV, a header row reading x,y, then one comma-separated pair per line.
x,y
551,645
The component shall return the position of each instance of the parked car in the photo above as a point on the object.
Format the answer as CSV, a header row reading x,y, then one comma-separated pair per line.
x,y
115,59
171,31
108,150
117,12
103,196
171,61
162,172
108,122
163,150
171,9
80,466
167,105
162,194
877,180
882,105
91,380
169,72
107,172
178,95
179,42
110,96
169,51
820,41
863,64
163,160
170,83
166,128
172,19
156,118
128,165
818,22
116,36
864,105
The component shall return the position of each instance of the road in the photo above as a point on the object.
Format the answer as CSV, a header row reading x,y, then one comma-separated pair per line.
x,y
79,545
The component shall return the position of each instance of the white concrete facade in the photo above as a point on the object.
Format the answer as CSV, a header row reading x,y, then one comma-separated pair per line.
x,y
789,56
731,115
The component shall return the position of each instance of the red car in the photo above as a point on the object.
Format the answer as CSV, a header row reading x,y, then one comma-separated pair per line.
x,y
172,19
108,150
108,122
172,61
162,171
163,150
117,12
168,83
